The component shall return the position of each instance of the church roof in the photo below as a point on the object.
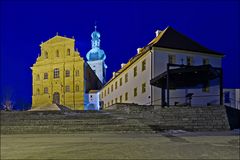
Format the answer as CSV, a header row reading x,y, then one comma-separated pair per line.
x,y
170,38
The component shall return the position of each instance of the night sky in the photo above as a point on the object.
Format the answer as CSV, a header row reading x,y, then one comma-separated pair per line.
x,y
124,26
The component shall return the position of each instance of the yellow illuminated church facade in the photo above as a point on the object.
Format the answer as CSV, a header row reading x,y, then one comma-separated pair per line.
x,y
58,74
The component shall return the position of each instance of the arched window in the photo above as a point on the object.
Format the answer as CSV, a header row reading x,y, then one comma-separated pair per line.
x,y
38,91
77,73
38,77
68,52
67,73
77,88
46,55
56,73
46,90
57,53
45,75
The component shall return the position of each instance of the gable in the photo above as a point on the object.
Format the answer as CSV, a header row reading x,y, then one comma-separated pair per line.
x,y
57,39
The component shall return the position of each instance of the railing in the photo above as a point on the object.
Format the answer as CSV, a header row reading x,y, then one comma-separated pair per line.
x,y
186,101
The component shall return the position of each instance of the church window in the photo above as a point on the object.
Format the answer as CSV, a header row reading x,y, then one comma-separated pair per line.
x,y
189,60
172,59
105,92
67,88
45,75
126,96
112,88
135,71
77,73
46,55
108,90
38,91
126,77
144,65
38,77
135,92
45,90
56,73
116,85
57,53
68,52
67,73
205,61
120,82
77,88
143,87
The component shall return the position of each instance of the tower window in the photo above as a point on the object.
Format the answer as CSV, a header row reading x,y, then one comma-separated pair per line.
x,y
112,88
67,73
67,88
116,85
56,73
144,65
45,75
68,52
45,90
108,90
135,71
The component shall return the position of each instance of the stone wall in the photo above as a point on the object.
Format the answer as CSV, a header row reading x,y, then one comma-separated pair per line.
x,y
209,118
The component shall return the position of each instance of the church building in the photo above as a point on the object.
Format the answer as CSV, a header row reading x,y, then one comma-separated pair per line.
x,y
60,75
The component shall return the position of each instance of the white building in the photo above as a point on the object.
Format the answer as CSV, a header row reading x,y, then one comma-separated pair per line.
x,y
96,57
232,98
165,71
93,100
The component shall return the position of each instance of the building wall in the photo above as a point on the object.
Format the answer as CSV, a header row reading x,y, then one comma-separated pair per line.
x,y
62,55
161,58
156,63
232,98
98,66
128,87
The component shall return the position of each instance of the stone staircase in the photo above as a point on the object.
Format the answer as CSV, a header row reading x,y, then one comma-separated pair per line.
x,y
67,122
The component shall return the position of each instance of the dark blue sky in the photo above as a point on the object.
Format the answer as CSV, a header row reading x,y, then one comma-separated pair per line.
x,y
124,26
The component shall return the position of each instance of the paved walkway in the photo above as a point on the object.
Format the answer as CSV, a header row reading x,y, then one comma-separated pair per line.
x,y
166,145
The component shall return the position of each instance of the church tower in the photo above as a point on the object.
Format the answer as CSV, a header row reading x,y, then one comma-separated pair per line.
x,y
96,57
